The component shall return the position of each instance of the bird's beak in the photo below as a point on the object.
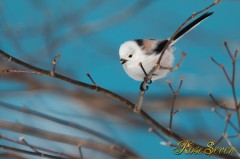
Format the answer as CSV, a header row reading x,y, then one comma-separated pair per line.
x,y
123,61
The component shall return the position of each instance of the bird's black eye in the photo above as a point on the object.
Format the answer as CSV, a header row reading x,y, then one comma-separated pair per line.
x,y
130,56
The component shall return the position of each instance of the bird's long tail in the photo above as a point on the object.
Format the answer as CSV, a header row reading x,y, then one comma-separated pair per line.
x,y
191,26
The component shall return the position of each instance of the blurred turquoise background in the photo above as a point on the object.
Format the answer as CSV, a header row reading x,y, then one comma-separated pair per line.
x,y
88,34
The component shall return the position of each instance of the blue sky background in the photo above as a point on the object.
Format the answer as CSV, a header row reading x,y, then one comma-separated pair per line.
x,y
28,27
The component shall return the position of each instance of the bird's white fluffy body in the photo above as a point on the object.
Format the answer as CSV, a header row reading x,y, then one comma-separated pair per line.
x,y
133,55
148,51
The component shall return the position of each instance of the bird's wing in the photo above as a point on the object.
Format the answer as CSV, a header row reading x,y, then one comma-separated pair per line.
x,y
154,46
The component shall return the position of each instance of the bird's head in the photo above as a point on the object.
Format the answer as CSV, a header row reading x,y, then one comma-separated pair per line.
x,y
129,52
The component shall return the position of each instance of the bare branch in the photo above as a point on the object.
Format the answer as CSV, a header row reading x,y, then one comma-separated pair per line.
x,y
66,123
80,151
223,106
234,136
114,96
177,66
54,63
29,152
158,63
144,71
21,128
34,148
230,144
230,122
175,94
90,77
236,53
232,80
227,118
20,71
223,69
228,50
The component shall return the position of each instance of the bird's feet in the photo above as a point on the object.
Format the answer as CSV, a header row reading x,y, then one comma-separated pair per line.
x,y
143,86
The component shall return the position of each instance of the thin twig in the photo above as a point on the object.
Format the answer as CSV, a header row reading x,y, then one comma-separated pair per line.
x,y
29,145
54,63
223,106
90,77
233,59
230,122
223,69
234,136
165,140
228,50
144,71
230,144
177,66
236,53
227,118
157,133
175,94
80,151
219,140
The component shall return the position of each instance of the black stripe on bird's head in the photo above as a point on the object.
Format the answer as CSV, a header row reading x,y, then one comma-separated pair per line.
x,y
139,42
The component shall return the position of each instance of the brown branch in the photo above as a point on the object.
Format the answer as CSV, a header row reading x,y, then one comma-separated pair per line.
x,y
20,71
175,94
21,128
158,134
165,140
178,65
219,140
54,63
230,122
29,145
11,155
29,152
114,96
236,53
223,106
80,151
233,59
230,144
223,69
228,50
232,80
144,71
90,77
235,136
227,118
158,63
66,123
34,148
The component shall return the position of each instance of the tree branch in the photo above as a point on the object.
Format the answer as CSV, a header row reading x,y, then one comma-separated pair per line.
x,y
21,128
114,96
157,66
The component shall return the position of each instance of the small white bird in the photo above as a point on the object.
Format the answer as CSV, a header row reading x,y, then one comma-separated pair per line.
x,y
147,52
